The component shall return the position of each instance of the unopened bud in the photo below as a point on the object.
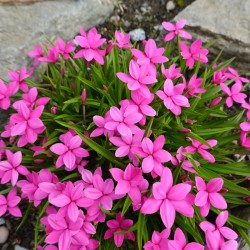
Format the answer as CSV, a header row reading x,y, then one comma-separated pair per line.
x,y
84,96
247,199
189,121
223,190
183,177
62,72
185,130
105,88
53,110
215,101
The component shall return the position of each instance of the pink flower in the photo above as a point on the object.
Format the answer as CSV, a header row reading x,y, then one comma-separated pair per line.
x,y
123,120
215,234
90,43
12,167
169,199
101,192
128,182
10,204
6,91
65,49
202,149
138,77
234,74
244,140
18,77
69,150
122,40
159,240
180,243
234,94
193,86
126,145
209,194
151,56
175,30
172,97
52,56
27,123
219,76
153,155
37,53
194,54
117,225
30,187
30,99
69,200
171,73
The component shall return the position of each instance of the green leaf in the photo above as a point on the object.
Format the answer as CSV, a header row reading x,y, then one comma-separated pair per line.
x,y
25,216
140,229
244,235
126,205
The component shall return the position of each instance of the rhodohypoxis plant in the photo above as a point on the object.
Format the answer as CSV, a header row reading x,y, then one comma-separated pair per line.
x,y
126,146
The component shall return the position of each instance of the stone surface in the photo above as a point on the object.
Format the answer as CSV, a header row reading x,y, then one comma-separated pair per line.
x,y
226,21
170,6
4,233
23,25
137,35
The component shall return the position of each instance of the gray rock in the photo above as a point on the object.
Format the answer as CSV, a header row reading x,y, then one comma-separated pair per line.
x,y
4,234
170,6
17,247
23,25
137,35
226,21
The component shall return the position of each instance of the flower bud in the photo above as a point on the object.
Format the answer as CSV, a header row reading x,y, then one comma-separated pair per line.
x,y
53,110
215,101
189,121
223,190
84,96
247,199
183,177
105,88
185,130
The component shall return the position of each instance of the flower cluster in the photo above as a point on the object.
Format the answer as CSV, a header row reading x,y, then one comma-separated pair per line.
x,y
122,144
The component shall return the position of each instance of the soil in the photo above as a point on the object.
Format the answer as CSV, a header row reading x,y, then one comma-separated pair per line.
x,y
127,15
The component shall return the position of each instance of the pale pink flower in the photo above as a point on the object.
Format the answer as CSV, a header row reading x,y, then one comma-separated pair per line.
x,y
153,155
30,187
244,140
175,29
90,43
201,149
169,199
101,192
234,74
151,56
138,78
27,123
159,240
68,151
171,73
65,49
215,234
209,195
6,91
219,76
187,165
117,225
52,56
180,242
194,54
12,167
39,149
234,94
30,99
10,203
36,53
18,78
127,144
193,86
128,182
172,97
70,199
123,120
122,40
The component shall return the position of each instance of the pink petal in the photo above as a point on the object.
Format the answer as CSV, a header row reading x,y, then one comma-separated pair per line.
x,y
106,202
92,193
217,200
151,206
148,164
201,198
17,159
64,240
215,185
35,123
118,238
179,191
159,191
116,173
59,148
168,26
60,200
183,207
221,219
73,211
207,226
167,213
124,77
122,151
69,160
206,155
116,114
15,211
122,187
200,183
162,156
